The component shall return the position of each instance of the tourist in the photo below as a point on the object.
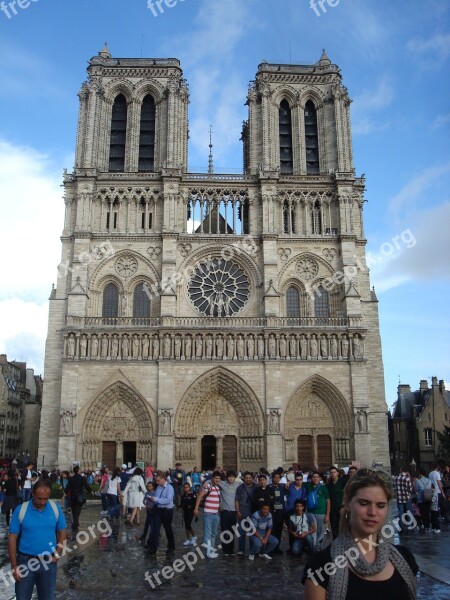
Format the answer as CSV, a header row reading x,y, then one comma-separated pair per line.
x,y
196,480
178,479
278,510
103,490
210,492
263,493
25,481
228,518
74,491
434,509
149,473
302,529
134,493
318,504
114,494
124,477
403,491
64,481
38,529
188,500
244,507
424,496
148,503
262,541
335,487
436,480
162,514
383,571
10,487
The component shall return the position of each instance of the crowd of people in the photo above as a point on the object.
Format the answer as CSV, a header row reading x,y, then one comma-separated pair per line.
x,y
320,512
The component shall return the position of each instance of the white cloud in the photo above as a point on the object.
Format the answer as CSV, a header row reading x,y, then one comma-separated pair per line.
x,y
441,121
414,189
32,221
371,101
434,50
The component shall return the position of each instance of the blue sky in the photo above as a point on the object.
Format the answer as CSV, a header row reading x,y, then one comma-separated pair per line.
x,y
395,59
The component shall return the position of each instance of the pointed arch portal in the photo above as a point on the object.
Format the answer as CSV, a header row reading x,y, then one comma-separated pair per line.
x,y
220,415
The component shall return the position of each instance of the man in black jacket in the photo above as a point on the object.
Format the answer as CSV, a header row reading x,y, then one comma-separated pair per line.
x,y
74,490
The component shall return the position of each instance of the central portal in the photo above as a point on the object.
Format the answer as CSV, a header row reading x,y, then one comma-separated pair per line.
x,y
209,452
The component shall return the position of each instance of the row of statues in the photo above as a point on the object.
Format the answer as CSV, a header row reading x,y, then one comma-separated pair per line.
x,y
125,346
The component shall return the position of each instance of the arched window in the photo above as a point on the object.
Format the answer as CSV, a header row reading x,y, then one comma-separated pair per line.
x,y
311,139
110,301
293,303
285,126
141,302
118,134
321,303
147,135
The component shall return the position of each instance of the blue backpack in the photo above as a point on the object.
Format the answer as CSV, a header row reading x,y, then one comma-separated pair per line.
x,y
312,499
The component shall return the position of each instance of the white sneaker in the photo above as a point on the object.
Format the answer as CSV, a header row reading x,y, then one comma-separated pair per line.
x,y
437,531
250,556
240,553
187,543
211,554
194,541
266,556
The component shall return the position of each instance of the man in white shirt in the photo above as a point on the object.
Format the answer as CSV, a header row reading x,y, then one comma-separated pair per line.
x,y
26,481
436,480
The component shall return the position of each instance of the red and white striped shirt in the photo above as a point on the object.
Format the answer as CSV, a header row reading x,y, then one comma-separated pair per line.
x,y
212,499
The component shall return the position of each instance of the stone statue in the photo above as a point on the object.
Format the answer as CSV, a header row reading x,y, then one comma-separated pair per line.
x,y
71,346
333,347
94,346
209,345
313,347
155,347
260,346
104,349
344,347
167,346
198,346
230,347
293,347
83,346
125,346
357,353
145,347
303,347
135,346
219,347
114,347
250,347
240,348
188,347
361,421
323,347
66,423
272,346
274,421
177,345
124,306
282,347
164,420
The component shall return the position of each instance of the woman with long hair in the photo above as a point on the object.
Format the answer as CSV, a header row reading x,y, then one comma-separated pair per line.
x,y
360,563
114,494
134,493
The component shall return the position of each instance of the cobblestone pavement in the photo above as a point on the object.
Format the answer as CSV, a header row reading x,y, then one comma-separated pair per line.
x,y
114,567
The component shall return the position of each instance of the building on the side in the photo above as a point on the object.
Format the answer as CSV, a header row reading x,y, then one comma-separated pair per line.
x,y
32,415
416,417
207,318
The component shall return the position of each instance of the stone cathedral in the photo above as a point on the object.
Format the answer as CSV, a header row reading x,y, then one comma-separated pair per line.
x,y
213,319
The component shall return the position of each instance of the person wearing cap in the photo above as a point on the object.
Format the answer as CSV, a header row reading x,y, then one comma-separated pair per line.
x,y
124,479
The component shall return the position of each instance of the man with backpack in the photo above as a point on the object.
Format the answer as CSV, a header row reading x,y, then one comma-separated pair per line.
x,y
36,538
318,504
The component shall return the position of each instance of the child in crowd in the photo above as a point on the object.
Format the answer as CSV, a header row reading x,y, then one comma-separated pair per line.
x,y
148,503
188,500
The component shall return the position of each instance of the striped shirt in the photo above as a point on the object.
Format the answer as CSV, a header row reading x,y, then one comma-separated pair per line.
x,y
212,499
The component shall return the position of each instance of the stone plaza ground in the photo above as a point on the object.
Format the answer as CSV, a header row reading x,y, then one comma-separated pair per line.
x,y
114,567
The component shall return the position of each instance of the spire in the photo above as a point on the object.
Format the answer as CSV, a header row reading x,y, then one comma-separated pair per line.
x,y
210,162
324,60
104,52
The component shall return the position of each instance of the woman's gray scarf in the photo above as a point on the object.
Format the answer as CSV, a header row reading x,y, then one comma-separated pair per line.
x,y
337,587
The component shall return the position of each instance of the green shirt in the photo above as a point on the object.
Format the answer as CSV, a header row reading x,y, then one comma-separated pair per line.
x,y
323,496
336,493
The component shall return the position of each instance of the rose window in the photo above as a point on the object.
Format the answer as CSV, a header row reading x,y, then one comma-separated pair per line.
x,y
126,266
219,288
307,268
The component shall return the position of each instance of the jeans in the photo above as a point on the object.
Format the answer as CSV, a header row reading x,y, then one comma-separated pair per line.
x,y
44,578
227,520
256,546
242,534
424,508
164,517
278,522
114,506
298,544
75,508
104,498
26,494
148,524
320,532
210,526
402,508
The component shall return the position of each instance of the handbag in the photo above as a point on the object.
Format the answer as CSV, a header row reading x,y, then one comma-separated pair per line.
x,y
312,499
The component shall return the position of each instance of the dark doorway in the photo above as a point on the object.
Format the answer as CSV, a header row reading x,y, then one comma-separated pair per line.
x,y
325,455
208,452
129,453
230,453
305,451
109,454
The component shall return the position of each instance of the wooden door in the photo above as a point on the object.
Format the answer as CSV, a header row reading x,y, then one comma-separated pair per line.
x,y
324,453
305,451
229,459
109,454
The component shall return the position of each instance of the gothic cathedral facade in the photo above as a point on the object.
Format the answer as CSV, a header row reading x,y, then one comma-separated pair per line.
x,y
213,319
